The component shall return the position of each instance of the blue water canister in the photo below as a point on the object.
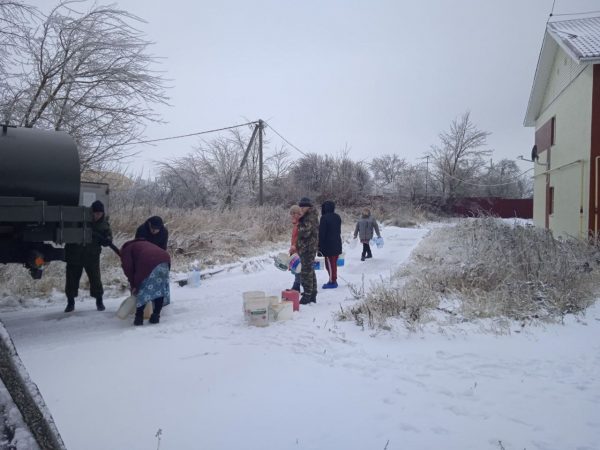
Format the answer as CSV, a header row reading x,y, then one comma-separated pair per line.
x,y
379,242
341,260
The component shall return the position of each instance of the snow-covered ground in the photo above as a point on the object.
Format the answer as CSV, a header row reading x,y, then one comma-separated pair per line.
x,y
207,380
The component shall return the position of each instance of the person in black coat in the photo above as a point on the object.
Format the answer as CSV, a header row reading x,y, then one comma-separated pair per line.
x,y
330,241
153,230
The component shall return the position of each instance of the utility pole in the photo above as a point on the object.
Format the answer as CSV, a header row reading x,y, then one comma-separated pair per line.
x,y
260,161
228,200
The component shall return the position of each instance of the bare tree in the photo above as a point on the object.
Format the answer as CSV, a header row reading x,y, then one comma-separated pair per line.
x,y
277,165
459,157
412,183
387,171
90,74
504,179
332,178
312,174
14,18
183,183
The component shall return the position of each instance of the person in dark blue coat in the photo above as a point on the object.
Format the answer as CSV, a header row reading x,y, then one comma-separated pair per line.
x,y
153,230
330,241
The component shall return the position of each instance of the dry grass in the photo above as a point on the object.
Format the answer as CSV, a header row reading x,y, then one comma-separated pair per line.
x,y
495,270
210,237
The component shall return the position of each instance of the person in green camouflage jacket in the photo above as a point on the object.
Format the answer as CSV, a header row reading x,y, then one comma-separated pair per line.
x,y
308,245
80,257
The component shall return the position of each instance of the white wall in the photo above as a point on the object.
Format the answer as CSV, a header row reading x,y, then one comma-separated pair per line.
x,y
568,98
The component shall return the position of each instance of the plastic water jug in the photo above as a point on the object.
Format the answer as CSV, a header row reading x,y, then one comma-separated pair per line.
x,y
379,242
281,311
127,307
194,278
290,295
295,265
319,263
341,260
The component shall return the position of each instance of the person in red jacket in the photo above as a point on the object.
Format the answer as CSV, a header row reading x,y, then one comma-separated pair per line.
x,y
147,266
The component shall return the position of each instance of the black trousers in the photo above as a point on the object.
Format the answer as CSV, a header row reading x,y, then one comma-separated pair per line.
x,y
366,251
74,272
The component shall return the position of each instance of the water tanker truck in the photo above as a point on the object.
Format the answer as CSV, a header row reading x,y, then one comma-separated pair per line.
x,y
40,197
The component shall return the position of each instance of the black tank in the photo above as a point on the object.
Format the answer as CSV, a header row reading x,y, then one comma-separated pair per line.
x,y
43,164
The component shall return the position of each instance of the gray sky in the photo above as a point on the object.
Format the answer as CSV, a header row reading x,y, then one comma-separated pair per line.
x,y
380,76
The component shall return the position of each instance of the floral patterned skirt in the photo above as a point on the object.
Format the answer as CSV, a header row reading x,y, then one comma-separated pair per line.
x,y
155,286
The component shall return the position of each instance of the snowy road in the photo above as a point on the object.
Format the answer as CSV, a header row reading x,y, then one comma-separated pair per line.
x,y
208,381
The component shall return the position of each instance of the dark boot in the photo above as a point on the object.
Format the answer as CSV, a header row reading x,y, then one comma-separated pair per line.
x,y
305,300
99,304
155,316
70,305
139,316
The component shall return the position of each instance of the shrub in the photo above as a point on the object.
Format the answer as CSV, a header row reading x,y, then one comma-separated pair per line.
x,y
494,269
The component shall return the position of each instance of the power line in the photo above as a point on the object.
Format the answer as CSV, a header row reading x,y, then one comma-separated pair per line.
x,y
289,143
576,14
191,134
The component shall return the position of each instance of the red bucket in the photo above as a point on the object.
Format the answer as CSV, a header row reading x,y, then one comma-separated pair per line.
x,y
291,296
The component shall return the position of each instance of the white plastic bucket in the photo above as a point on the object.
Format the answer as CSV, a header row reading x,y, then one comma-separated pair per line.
x,y
248,296
282,311
273,300
281,261
257,311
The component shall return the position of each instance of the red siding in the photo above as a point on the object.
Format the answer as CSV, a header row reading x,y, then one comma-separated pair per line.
x,y
500,207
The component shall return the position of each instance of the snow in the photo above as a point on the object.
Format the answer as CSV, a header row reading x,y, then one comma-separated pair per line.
x,y
206,379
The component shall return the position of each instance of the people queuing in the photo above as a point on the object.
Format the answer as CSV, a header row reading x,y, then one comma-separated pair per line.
x,y
154,230
364,230
308,245
146,266
146,263
330,241
80,257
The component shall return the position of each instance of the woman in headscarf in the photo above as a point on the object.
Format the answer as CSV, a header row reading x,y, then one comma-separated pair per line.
x,y
153,230
147,266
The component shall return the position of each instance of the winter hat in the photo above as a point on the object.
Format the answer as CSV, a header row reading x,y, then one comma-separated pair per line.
x,y
97,206
156,222
305,201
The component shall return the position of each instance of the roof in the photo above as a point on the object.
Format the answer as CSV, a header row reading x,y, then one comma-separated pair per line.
x,y
579,38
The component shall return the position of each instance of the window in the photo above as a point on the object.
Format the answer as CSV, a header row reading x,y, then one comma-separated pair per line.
x,y
544,136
